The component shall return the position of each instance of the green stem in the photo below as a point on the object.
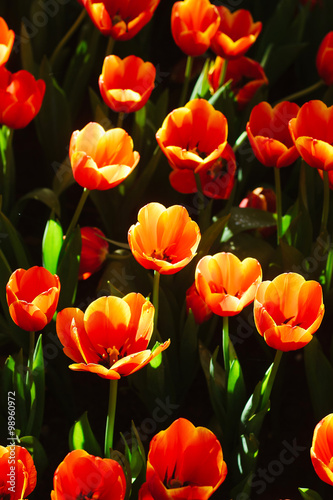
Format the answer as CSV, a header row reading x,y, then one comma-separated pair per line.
x,y
268,389
156,287
225,345
188,70
121,116
67,36
8,166
110,46
78,211
223,73
302,185
30,357
110,419
326,202
240,141
301,93
278,203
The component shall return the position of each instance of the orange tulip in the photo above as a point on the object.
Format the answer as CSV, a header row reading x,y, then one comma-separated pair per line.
x,y
81,475
18,475
164,239
183,462
111,337
288,311
312,133
261,199
21,97
120,19
32,297
198,306
101,160
324,59
227,284
126,84
193,24
246,75
236,34
7,37
193,137
322,449
269,136
93,251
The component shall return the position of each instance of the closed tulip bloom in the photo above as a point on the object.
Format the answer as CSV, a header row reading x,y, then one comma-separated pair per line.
x,y
312,133
183,462
120,19
193,24
269,135
17,485
226,283
324,59
111,337
236,34
101,159
164,239
198,306
288,311
21,97
32,297
81,475
126,84
261,199
194,136
93,251
7,37
322,449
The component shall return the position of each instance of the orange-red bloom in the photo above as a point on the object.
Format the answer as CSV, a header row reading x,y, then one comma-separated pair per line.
x,y
227,284
7,37
164,239
261,199
81,475
93,251
193,24
198,306
18,475
111,337
21,97
183,462
120,19
288,311
236,34
126,84
324,59
32,297
322,449
269,135
246,75
194,136
312,133
101,159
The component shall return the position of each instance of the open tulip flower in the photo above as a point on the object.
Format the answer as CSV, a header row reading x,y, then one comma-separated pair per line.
x,y
324,59
193,24
111,337
194,136
236,34
21,97
7,37
32,297
120,19
312,133
322,449
269,135
18,475
226,283
183,462
288,311
101,159
164,239
93,251
126,84
81,475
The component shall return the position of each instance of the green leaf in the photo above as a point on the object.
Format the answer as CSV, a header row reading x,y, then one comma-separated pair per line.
x,y
11,239
52,244
36,450
37,391
18,370
201,87
135,454
308,494
68,268
44,195
212,234
244,219
81,437
188,352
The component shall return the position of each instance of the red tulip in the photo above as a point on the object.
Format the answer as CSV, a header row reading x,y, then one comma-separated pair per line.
x,y
7,37
193,24
93,251
21,97
288,311
81,475
261,199
164,239
184,462
198,306
32,297
120,19
101,160
322,449
18,475
126,84
269,136
324,59
236,34
111,337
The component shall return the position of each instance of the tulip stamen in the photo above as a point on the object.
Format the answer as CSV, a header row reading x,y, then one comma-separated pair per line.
x,y
286,321
109,357
162,255
82,496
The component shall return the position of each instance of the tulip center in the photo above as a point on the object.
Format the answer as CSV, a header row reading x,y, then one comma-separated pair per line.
x,y
163,255
218,169
216,288
110,357
196,151
82,496
174,483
